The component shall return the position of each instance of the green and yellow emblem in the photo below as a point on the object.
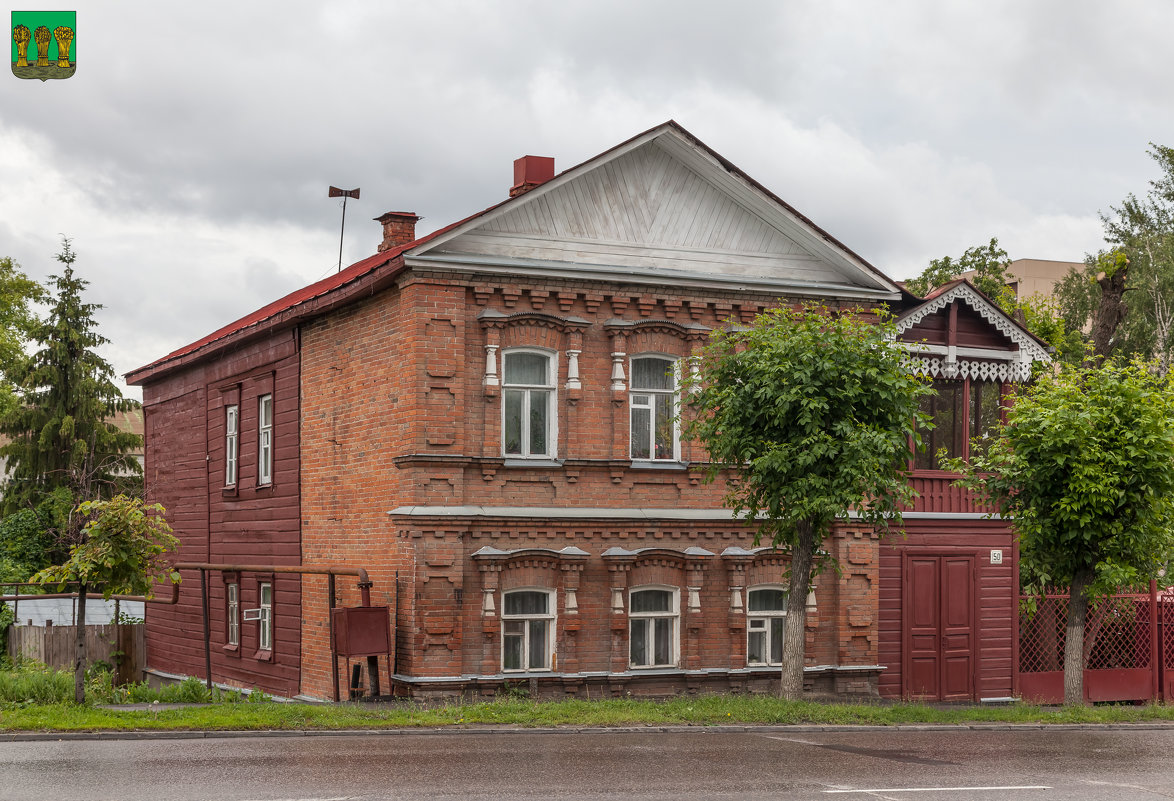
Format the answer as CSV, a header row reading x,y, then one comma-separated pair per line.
x,y
44,44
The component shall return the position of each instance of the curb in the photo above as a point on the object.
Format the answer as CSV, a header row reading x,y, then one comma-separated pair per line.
x,y
40,736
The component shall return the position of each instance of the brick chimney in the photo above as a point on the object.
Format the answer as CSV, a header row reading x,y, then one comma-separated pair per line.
x,y
531,171
399,228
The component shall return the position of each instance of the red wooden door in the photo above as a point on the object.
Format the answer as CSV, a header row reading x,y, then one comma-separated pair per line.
x,y
938,636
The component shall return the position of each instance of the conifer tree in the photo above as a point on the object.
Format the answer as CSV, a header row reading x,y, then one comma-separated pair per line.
x,y
62,437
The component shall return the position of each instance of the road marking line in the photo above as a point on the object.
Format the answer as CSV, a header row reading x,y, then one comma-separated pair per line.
x,y
332,798
941,789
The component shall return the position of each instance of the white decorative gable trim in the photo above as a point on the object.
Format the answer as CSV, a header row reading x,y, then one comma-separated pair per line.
x,y
965,368
943,362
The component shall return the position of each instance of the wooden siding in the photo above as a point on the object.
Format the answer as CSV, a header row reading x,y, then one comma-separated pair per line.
x,y
972,330
936,493
249,522
996,598
646,209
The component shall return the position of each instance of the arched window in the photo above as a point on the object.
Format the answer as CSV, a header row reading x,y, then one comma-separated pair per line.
x,y
652,627
529,409
766,620
652,400
527,630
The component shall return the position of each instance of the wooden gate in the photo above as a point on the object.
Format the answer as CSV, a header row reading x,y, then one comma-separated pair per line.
x,y
939,627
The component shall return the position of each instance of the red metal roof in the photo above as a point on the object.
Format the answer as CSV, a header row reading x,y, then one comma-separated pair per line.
x,y
294,299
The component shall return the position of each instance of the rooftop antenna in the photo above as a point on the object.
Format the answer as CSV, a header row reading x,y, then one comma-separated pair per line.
x,y
344,194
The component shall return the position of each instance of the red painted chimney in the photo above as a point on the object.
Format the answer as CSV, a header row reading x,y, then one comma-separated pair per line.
x,y
399,228
531,171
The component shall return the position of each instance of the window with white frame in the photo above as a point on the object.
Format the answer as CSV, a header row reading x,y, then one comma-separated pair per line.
x,y
265,625
528,407
231,433
652,400
766,621
265,439
527,630
232,610
652,627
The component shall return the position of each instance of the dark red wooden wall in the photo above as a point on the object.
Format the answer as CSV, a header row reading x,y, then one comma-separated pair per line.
x,y
250,523
995,599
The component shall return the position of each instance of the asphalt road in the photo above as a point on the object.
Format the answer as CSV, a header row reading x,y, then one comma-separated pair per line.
x,y
975,765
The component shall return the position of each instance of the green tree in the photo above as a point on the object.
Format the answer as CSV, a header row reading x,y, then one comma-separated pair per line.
x,y
1128,290
811,413
61,434
1084,465
18,294
122,550
989,263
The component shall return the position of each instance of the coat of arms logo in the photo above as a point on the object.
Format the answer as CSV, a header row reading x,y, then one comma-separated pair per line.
x,y
44,44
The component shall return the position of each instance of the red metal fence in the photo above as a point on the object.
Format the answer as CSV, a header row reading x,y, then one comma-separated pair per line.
x,y
1128,643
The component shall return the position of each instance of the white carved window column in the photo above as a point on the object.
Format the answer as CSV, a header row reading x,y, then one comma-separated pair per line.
x,y
618,352
574,384
492,345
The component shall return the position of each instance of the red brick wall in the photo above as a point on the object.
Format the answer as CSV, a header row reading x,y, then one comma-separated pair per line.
x,y
447,640
361,408
395,413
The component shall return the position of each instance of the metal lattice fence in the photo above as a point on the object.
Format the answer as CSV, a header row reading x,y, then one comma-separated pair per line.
x,y
1116,633
1166,619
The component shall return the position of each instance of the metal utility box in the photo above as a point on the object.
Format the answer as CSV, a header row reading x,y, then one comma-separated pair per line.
x,y
360,631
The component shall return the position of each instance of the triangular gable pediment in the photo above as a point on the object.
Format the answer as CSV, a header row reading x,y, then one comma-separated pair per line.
x,y
1007,353
662,207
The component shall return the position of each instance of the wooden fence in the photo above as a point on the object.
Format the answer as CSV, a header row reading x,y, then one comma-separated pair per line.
x,y
124,647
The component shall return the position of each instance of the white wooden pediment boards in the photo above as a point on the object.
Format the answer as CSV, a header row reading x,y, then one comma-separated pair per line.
x,y
650,209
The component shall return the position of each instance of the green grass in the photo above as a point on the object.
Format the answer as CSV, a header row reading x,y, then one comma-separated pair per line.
x,y
698,711
34,698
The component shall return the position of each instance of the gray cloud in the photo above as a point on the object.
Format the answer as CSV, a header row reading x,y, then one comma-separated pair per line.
x,y
189,156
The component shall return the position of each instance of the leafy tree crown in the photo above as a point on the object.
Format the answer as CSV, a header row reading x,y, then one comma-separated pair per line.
x,y
812,411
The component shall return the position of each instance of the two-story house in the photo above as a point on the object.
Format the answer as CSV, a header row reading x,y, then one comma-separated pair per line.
x,y
483,418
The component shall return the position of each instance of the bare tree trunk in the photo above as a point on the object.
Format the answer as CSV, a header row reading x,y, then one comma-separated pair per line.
x,y
79,664
1074,639
794,640
1109,312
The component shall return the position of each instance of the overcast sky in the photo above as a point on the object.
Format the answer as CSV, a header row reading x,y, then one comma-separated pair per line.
x,y
189,156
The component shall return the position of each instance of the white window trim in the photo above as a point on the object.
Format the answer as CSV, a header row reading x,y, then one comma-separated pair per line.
x,y
231,444
676,407
764,616
552,387
265,623
674,615
232,612
550,616
264,440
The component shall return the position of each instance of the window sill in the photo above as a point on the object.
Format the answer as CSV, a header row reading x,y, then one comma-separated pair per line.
x,y
644,668
264,487
658,464
232,650
264,656
514,461
536,672
229,491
